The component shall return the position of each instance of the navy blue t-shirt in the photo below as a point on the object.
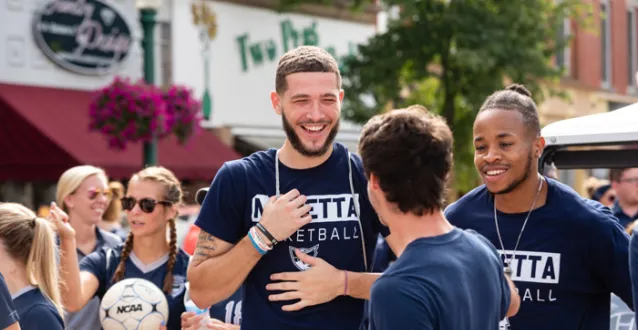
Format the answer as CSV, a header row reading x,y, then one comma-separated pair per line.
x,y
8,313
572,255
36,311
623,218
633,266
234,204
383,256
453,281
103,268
229,310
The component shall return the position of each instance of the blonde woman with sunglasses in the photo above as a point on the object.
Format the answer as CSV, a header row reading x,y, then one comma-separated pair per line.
x,y
83,194
150,203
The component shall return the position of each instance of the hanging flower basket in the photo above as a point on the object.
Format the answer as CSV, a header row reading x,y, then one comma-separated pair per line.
x,y
184,112
132,112
128,112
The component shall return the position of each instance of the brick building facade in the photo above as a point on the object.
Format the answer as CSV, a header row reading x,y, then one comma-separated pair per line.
x,y
600,65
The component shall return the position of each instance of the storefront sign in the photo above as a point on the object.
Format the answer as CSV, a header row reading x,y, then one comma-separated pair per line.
x,y
83,36
256,52
240,67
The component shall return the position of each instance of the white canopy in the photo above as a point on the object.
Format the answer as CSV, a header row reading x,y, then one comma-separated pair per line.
x,y
615,126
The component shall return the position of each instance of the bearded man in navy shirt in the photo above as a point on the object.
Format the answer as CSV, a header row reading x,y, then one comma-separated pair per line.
x,y
566,254
294,226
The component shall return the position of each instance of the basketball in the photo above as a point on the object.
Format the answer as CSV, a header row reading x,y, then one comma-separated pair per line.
x,y
133,303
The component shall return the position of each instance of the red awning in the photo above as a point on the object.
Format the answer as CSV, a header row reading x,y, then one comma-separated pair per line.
x,y
46,130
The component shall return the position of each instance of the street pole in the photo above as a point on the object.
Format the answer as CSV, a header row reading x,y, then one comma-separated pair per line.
x,y
147,18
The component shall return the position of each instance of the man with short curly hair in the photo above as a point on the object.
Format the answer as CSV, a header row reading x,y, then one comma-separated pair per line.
x,y
444,277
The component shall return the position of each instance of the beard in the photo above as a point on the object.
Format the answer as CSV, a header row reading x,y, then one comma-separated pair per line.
x,y
296,143
517,182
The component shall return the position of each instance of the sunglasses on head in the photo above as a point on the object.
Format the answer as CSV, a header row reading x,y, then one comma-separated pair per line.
x,y
94,193
147,205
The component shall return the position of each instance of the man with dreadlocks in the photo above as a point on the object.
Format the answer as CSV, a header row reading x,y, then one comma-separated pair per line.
x,y
151,205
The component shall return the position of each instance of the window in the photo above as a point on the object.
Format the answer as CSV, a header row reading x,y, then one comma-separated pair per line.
x,y
563,56
605,43
166,55
632,57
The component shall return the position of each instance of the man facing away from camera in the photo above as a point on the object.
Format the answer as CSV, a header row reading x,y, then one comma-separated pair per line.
x,y
444,277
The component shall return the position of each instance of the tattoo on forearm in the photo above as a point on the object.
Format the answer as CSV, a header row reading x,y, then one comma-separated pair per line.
x,y
206,246
202,254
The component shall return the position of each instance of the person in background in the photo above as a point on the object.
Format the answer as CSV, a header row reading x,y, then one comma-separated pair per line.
x,y
605,195
150,251
633,260
600,191
633,264
28,259
112,219
83,193
624,181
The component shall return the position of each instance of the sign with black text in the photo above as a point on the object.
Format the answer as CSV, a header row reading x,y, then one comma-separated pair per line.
x,y
83,36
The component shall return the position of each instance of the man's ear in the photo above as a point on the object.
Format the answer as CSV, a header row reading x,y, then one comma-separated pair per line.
x,y
539,145
276,102
374,182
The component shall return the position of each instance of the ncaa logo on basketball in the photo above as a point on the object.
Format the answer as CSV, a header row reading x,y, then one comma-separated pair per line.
x,y
313,252
129,308
133,303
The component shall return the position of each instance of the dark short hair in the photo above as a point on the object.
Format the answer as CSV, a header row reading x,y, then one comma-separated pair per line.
x,y
410,151
615,174
516,97
304,59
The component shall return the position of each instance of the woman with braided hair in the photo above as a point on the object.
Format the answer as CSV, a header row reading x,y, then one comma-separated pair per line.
x,y
151,206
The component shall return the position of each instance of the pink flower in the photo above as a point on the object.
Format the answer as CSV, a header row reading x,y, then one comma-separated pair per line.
x,y
129,112
184,112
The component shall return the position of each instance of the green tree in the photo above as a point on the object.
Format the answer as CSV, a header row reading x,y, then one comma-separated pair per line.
x,y
286,5
449,55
